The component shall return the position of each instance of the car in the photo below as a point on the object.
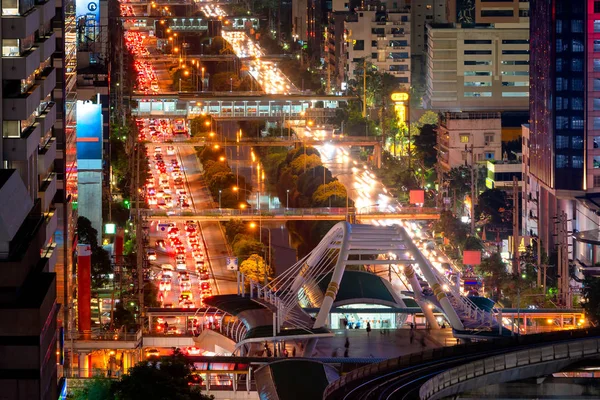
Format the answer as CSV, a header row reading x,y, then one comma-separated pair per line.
x,y
189,229
198,255
158,150
193,351
185,286
180,250
167,267
180,257
206,292
170,151
151,254
187,294
150,353
172,330
165,284
187,304
181,266
160,243
205,285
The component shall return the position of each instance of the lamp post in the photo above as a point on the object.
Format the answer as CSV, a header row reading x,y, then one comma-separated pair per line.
x,y
202,82
260,228
231,83
220,199
287,199
239,189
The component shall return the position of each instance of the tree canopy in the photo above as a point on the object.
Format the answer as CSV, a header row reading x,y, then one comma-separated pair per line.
x,y
255,268
425,143
101,265
591,297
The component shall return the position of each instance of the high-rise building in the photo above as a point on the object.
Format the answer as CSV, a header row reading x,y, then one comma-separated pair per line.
x,y
380,37
479,61
29,183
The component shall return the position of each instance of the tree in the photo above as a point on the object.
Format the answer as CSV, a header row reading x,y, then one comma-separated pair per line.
x,y
494,273
255,268
246,245
303,163
123,317
234,227
591,299
425,143
96,388
225,81
170,377
199,126
151,295
324,194
101,265
493,202
428,118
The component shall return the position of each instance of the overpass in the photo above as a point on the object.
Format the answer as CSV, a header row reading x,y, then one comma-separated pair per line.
x,y
278,141
237,105
448,371
292,214
185,24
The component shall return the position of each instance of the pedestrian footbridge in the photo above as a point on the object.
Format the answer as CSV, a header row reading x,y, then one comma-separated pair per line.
x,y
275,311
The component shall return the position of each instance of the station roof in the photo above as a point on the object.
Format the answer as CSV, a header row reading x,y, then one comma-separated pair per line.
x,y
232,303
358,285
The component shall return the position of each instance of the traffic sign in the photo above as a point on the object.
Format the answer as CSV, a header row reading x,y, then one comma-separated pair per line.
x,y
232,263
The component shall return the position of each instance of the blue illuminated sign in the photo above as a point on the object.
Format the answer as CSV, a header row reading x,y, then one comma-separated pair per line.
x,y
89,134
88,20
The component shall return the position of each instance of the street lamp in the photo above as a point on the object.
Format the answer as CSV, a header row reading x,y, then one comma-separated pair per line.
x,y
260,228
220,199
231,87
287,199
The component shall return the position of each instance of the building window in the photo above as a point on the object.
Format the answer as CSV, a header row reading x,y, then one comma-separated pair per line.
x,y
515,94
477,73
10,48
478,42
11,129
596,7
577,26
576,46
596,180
596,122
596,142
562,161
562,122
480,52
359,45
489,138
516,41
577,85
464,137
398,43
477,84
403,79
524,13
577,104
597,25
576,123
477,63
515,62
562,142
489,155
596,84
596,104
478,94
596,162
399,56
577,161
577,142
399,67
515,73
596,46
374,43
515,84
596,65
497,13
510,52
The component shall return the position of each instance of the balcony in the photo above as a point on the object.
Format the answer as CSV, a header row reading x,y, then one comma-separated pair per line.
x,y
21,26
47,11
47,191
22,106
50,254
47,81
51,225
47,118
46,156
21,148
21,67
47,45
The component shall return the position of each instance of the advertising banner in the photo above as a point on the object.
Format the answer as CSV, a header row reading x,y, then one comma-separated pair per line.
x,y
89,136
87,13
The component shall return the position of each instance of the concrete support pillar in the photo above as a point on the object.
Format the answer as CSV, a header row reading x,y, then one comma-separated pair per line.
x,y
150,319
311,344
377,155
409,272
84,365
525,323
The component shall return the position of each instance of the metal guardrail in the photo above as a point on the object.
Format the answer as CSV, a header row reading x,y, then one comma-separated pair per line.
x,y
446,353
224,212
448,380
95,335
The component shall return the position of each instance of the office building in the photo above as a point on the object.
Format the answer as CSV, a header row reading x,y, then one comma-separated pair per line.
x,y
477,68
28,202
457,132
382,38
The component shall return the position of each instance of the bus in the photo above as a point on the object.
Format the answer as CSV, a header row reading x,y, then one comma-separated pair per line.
x,y
179,128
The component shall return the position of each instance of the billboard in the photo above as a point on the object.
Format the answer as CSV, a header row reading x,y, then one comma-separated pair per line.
x,y
87,13
89,135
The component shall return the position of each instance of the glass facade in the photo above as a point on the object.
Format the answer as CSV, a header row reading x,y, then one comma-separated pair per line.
x,y
558,93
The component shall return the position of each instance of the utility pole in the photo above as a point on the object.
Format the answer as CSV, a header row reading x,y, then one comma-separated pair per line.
x,y
139,232
563,261
539,244
516,268
472,166
364,110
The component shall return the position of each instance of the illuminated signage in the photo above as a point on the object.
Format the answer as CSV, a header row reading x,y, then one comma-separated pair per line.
x,y
89,135
399,96
88,20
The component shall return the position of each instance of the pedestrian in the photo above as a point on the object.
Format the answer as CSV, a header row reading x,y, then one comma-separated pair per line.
x,y
412,326
412,336
368,328
285,353
346,353
347,344
294,351
269,352
166,327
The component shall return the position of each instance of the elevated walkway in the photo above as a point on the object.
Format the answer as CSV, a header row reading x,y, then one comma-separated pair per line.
x,y
90,341
293,214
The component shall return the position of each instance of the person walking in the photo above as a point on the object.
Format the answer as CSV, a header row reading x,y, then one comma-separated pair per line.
x,y
412,336
347,344
294,351
368,328
346,353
